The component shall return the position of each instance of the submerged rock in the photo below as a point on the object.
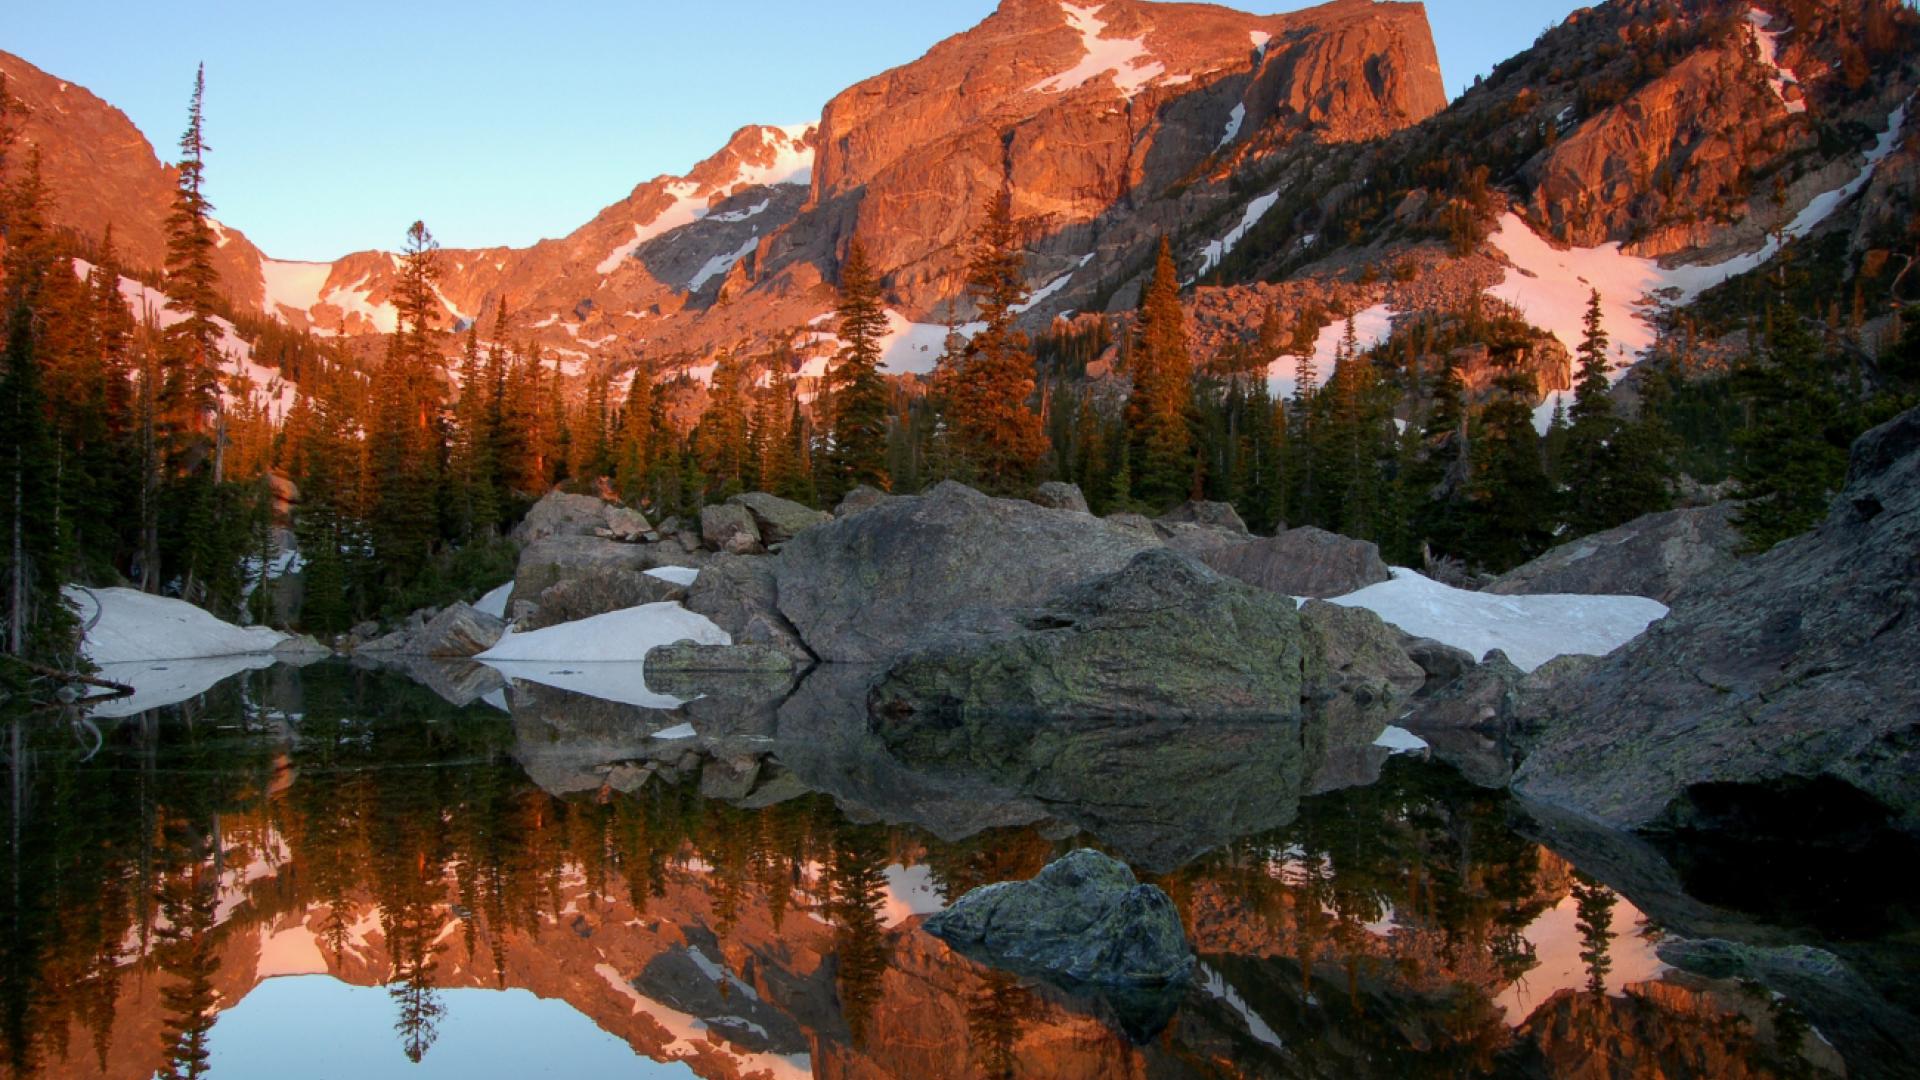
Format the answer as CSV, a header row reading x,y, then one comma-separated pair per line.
x,y
1084,918
1795,665
1304,562
1655,556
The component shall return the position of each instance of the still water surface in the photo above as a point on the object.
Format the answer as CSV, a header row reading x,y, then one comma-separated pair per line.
x,y
339,873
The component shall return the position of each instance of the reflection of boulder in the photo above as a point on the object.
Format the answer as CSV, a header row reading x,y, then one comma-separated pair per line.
x,y
458,682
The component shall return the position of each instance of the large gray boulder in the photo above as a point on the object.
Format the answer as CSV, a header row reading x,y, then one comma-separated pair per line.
x,y
560,514
737,593
1060,495
1357,671
1084,918
862,588
1303,562
1161,638
729,529
596,593
862,497
1654,556
1795,665
457,632
1218,515
547,562
776,519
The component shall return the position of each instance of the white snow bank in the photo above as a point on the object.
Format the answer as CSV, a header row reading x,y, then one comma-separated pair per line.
x,y
1128,59
625,635
495,602
1234,121
603,656
135,626
722,263
678,575
1531,630
159,683
678,731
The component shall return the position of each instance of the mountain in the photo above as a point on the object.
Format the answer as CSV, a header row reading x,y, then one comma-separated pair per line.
x,y
1308,163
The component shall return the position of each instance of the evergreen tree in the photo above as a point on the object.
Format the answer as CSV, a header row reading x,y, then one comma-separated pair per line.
x,y
1793,453
189,390
38,623
405,440
998,438
858,401
1512,501
1159,421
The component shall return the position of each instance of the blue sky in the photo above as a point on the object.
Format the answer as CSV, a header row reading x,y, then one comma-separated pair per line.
x,y
335,125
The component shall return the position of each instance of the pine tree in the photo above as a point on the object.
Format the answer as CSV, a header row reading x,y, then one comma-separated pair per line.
x,y
37,621
405,440
858,400
998,438
1159,420
1793,454
189,392
637,444
1511,499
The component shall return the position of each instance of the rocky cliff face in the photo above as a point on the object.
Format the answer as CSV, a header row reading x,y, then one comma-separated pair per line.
x,y
1293,159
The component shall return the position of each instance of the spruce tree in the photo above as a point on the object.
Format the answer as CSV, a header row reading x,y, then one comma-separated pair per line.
x,y
1793,453
1512,501
858,399
405,440
998,438
189,401
1159,420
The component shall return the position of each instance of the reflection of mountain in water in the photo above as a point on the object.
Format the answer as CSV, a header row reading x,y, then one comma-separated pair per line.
x,y
744,900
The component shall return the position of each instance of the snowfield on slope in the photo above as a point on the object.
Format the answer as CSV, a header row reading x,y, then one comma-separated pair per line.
x,y
136,626
1531,630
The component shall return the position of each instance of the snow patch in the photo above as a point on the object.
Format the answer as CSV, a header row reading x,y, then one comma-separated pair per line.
x,y
678,731
603,656
1261,39
494,603
721,264
1132,66
1531,630
1371,326
295,285
679,575
1768,43
1219,249
136,626
1550,286
1234,120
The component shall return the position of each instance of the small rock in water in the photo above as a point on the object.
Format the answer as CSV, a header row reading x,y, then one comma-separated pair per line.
x,y
1084,918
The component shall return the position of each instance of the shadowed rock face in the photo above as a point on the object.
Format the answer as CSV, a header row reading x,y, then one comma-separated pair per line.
x,y
1795,664
1656,556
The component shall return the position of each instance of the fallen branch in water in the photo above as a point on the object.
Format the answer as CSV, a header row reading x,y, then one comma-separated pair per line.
x,y
119,689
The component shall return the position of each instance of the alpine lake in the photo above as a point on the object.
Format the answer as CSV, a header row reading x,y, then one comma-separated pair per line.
x,y
346,872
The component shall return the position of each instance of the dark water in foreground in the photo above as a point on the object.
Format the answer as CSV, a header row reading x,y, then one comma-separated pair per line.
x,y
337,873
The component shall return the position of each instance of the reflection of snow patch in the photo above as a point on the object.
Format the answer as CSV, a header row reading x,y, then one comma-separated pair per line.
x,y
1399,740
910,892
1217,986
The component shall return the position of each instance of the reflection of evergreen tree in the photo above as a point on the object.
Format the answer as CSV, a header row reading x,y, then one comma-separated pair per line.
x,y
187,952
856,881
996,1014
1593,903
